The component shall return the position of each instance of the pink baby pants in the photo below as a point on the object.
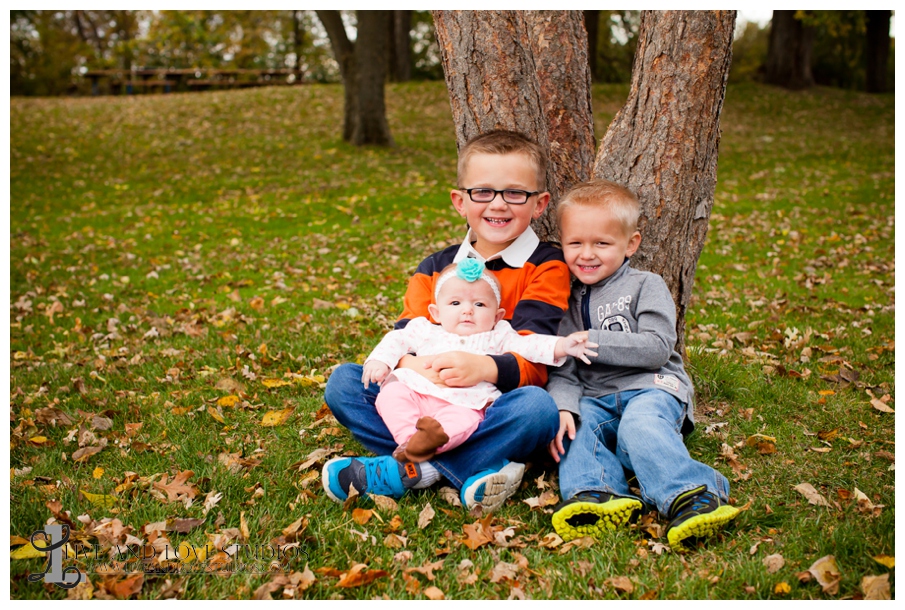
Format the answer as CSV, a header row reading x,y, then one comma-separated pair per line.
x,y
401,407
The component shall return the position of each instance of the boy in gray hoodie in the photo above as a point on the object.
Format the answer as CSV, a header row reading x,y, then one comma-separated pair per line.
x,y
634,400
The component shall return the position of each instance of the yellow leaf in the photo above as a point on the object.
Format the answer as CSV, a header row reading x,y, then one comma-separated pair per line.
x,y
276,418
228,401
826,392
216,414
98,472
99,499
311,381
188,553
29,551
275,383
885,560
782,588
38,440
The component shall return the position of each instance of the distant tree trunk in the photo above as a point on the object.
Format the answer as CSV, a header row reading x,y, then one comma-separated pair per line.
x,y
877,52
526,71
663,143
788,61
298,38
511,69
363,68
592,25
400,56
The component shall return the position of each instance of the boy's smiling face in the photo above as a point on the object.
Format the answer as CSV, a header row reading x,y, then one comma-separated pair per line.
x,y
497,224
594,242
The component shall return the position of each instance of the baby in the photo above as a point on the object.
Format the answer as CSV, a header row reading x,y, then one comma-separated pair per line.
x,y
427,418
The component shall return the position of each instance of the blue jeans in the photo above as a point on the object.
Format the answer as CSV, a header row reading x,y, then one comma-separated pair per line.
x,y
515,425
638,431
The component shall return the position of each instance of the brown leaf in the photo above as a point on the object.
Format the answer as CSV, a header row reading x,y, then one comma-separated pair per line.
x,y
126,588
774,563
394,541
362,515
178,487
450,496
84,453
812,495
876,587
435,593
183,526
230,385
621,584
359,575
427,569
478,534
384,503
879,405
425,516
826,572
504,571
585,542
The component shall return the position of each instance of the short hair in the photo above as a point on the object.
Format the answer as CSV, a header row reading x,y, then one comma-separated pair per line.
x,y
503,142
614,198
487,274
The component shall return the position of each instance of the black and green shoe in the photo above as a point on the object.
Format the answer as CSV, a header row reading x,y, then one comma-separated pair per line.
x,y
695,515
592,513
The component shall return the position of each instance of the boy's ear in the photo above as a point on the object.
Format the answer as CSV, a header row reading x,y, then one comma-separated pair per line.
x,y
543,200
500,314
633,242
434,311
458,201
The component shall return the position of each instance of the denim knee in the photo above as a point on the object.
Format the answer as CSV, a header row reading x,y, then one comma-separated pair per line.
x,y
345,380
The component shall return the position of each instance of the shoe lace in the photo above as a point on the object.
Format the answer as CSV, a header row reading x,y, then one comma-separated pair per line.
x,y
378,477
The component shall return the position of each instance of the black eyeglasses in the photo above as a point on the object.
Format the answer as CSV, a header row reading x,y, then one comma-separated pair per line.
x,y
513,196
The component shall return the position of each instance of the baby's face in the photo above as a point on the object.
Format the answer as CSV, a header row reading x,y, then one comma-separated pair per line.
x,y
466,308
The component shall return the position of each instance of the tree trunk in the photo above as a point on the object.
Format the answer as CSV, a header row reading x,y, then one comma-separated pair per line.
x,y
297,42
526,71
371,61
788,61
663,143
512,69
877,52
400,56
592,25
363,69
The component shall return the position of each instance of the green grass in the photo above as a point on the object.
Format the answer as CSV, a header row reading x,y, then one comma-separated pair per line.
x,y
240,230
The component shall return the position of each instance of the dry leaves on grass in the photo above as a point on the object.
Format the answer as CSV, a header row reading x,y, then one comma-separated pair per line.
x,y
179,488
812,495
825,572
774,563
876,587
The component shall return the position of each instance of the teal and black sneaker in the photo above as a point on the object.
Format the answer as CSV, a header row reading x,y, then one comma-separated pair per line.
x,y
592,513
695,515
382,476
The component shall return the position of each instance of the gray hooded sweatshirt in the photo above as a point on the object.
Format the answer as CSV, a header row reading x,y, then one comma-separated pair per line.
x,y
632,317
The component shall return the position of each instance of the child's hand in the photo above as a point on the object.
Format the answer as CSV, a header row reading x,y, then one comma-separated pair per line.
x,y
566,425
576,345
374,371
422,366
463,370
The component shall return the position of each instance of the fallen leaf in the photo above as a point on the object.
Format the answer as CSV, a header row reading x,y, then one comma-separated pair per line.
x,y
879,405
276,418
774,563
183,526
584,542
550,541
394,541
782,588
98,472
765,445
504,571
885,560
384,503
178,487
875,587
275,383
217,414
230,385
450,496
362,515
812,495
622,584
99,499
478,534
125,588
427,570
435,593
826,572
425,516
358,576
228,401
86,452
29,551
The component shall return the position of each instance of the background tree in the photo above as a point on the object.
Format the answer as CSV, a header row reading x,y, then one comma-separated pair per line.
x,y
663,143
877,52
789,54
363,65
400,46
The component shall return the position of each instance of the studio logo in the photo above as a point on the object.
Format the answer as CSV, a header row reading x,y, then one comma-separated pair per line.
x,y
54,572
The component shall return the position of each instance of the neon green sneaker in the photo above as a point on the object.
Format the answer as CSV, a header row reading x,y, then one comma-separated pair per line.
x,y
695,515
592,513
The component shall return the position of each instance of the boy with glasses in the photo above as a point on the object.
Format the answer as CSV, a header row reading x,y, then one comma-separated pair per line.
x,y
501,178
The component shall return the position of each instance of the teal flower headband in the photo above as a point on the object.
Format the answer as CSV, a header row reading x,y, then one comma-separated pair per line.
x,y
470,270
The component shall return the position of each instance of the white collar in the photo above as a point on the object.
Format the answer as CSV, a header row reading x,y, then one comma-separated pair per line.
x,y
515,255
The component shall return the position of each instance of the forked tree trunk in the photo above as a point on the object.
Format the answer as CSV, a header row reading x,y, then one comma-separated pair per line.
x,y
663,143
400,41
526,71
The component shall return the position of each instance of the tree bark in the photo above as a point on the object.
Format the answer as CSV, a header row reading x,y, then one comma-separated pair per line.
x,y
663,143
877,51
297,42
363,69
526,71
789,53
400,56
371,61
592,25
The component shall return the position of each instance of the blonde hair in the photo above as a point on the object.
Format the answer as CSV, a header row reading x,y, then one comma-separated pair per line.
x,y
614,198
502,142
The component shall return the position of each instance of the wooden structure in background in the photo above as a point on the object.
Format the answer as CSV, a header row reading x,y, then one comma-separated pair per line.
x,y
188,79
